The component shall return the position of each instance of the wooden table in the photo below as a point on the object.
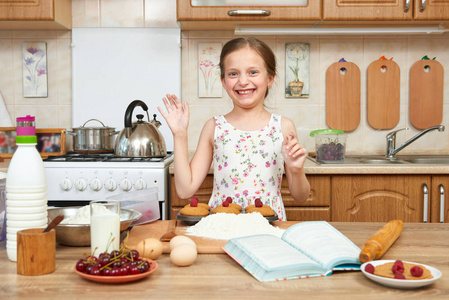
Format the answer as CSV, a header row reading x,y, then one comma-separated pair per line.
x,y
217,276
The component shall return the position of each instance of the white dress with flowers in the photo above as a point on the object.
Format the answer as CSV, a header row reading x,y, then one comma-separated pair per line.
x,y
248,165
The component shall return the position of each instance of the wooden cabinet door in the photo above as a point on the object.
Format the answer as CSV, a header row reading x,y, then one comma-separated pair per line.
x,y
439,204
378,198
204,192
320,187
308,213
431,9
367,10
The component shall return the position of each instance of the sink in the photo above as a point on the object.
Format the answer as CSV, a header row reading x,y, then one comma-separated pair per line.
x,y
399,160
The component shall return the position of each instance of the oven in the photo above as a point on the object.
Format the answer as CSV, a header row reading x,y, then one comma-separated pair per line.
x,y
75,179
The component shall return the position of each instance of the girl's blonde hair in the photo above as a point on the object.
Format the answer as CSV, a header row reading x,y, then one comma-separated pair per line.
x,y
257,45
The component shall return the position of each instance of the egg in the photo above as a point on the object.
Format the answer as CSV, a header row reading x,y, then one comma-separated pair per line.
x,y
183,255
179,240
150,248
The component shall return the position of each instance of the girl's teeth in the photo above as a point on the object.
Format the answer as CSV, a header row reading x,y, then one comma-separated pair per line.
x,y
245,92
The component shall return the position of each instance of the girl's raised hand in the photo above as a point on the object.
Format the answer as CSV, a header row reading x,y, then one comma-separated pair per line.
x,y
294,154
177,115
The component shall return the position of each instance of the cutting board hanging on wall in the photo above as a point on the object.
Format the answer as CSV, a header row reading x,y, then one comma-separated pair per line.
x,y
343,96
426,94
383,94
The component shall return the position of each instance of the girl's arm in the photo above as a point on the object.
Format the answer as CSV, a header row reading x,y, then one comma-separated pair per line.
x,y
294,158
188,176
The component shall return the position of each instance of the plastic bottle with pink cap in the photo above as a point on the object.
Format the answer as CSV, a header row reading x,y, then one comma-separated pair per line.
x,y
26,186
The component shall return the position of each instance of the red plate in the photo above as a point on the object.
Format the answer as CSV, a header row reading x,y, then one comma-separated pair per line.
x,y
121,279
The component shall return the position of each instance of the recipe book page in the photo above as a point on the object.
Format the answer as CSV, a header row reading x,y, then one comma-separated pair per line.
x,y
323,243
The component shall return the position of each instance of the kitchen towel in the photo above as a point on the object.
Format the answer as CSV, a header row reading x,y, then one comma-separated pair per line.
x,y
5,118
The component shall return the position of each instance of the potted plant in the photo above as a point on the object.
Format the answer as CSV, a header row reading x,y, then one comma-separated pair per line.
x,y
296,52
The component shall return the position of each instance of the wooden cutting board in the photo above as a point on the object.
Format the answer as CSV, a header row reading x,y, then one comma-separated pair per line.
x,y
204,245
383,94
343,96
426,94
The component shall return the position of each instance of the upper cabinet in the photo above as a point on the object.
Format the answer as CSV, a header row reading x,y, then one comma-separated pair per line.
x,y
202,14
389,10
36,14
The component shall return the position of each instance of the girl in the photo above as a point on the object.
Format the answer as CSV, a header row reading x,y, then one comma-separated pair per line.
x,y
250,148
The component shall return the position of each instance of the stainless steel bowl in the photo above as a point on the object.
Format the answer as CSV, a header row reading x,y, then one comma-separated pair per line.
x,y
79,235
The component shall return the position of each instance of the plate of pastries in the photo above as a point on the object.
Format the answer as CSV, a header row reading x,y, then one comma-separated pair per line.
x,y
195,211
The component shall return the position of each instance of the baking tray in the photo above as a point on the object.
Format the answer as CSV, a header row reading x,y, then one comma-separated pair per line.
x,y
194,219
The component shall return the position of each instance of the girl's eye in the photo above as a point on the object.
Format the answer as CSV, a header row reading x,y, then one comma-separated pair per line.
x,y
232,74
253,72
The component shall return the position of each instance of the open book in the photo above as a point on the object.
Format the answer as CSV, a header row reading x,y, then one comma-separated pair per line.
x,y
305,250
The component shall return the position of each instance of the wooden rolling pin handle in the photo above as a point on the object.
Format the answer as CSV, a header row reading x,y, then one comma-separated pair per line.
x,y
381,241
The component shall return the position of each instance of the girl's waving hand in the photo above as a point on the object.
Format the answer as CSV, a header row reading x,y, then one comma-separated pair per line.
x,y
177,115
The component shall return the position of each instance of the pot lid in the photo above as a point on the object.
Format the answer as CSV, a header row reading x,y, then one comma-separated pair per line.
x,y
101,128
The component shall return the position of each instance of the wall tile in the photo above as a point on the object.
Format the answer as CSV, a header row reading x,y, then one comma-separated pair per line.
x,y
46,115
115,13
160,13
85,13
64,71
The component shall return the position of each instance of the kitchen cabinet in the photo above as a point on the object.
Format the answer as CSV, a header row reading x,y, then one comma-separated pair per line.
x,y
36,14
439,202
317,206
380,198
203,17
394,10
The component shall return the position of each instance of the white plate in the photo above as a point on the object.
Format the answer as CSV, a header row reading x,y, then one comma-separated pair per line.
x,y
401,283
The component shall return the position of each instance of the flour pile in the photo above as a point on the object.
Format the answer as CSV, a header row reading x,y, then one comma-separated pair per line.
x,y
82,216
227,226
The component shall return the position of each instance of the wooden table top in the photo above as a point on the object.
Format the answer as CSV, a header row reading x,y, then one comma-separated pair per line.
x,y
217,276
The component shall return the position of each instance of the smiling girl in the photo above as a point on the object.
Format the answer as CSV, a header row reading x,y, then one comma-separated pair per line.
x,y
249,147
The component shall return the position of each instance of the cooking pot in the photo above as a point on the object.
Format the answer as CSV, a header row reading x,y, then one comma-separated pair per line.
x,y
140,139
96,139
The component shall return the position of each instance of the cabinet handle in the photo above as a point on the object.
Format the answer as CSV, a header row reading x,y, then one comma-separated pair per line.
x,y
245,12
423,5
426,201
407,5
442,196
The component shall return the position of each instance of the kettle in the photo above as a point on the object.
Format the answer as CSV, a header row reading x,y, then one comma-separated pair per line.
x,y
140,139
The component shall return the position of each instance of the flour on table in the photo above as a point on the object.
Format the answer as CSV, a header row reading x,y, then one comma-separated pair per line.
x,y
225,226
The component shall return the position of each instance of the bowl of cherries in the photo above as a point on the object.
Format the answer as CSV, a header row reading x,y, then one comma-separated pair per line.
x,y
117,266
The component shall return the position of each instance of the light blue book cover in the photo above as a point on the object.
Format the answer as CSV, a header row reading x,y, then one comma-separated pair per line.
x,y
307,249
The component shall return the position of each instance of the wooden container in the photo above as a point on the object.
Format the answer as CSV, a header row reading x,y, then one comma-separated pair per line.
x,y
36,252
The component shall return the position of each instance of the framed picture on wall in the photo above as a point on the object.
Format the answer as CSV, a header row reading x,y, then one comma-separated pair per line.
x,y
50,141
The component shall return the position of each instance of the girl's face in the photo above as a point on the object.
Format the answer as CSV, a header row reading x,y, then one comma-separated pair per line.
x,y
246,79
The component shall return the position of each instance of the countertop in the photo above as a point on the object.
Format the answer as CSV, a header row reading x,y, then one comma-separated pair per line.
x,y
322,169
217,276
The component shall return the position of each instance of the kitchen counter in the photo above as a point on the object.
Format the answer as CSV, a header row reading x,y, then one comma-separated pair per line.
x,y
217,276
312,168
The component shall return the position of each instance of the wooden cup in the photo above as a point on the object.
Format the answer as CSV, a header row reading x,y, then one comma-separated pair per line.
x,y
36,252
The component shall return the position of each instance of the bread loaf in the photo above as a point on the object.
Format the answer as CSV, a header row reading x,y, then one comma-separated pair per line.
x,y
381,241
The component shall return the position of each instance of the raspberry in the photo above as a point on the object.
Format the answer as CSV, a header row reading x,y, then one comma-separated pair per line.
x,y
225,204
399,276
196,198
258,203
369,268
229,199
416,271
194,202
398,267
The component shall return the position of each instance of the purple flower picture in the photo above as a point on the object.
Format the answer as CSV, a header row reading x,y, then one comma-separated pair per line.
x,y
209,84
34,70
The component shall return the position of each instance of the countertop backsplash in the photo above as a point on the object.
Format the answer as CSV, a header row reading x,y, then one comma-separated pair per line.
x,y
308,114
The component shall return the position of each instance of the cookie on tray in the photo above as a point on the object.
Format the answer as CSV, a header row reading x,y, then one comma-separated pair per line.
x,y
195,209
226,207
261,208
231,204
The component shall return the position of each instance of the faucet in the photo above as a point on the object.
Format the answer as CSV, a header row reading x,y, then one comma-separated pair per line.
x,y
391,140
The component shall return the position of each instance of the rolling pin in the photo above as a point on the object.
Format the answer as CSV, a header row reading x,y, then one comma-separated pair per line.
x,y
376,246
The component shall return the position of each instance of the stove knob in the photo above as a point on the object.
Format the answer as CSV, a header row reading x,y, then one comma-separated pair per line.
x,y
81,184
110,184
66,184
140,184
126,184
96,184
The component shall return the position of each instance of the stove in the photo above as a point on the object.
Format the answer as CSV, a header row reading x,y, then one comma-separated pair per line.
x,y
74,179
